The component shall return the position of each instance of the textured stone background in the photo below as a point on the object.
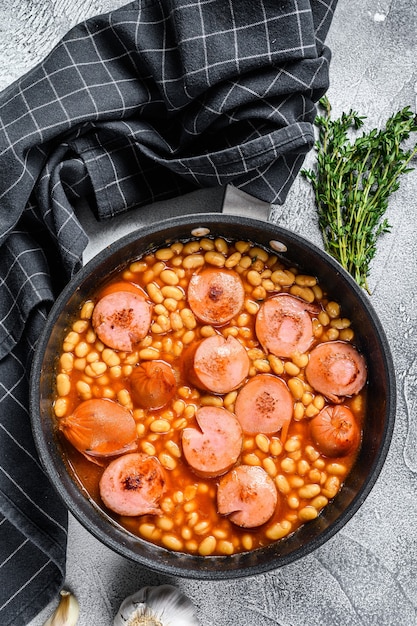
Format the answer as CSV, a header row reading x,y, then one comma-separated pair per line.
x,y
367,574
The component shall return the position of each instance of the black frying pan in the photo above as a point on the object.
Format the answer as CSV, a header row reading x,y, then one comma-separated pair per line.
x,y
369,336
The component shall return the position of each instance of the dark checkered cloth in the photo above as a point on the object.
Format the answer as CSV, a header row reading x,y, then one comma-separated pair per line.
x,y
148,102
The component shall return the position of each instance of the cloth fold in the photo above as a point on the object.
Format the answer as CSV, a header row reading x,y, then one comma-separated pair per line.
x,y
145,103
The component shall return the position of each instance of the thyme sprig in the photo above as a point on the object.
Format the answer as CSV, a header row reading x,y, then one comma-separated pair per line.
x,y
353,180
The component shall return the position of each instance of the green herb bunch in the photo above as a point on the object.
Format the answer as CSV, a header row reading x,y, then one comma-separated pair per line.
x,y
353,180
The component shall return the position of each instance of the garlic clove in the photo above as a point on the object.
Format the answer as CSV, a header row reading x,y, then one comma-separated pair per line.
x,y
164,605
67,611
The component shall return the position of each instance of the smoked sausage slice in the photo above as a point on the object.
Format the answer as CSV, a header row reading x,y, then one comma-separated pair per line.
x,y
264,405
215,295
217,364
215,448
283,325
247,494
100,427
121,285
121,319
153,384
335,369
133,484
335,431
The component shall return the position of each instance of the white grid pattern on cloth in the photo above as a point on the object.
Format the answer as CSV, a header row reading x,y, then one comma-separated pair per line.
x,y
147,102
33,529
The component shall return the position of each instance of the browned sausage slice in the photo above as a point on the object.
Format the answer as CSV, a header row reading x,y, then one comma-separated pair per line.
x,y
283,325
215,448
133,484
122,319
264,405
215,295
335,369
122,285
247,495
334,431
218,364
153,384
100,427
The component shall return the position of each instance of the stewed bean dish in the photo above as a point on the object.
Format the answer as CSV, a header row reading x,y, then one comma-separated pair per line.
x,y
210,398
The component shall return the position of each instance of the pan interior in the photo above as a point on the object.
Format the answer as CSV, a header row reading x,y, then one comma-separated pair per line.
x,y
369,337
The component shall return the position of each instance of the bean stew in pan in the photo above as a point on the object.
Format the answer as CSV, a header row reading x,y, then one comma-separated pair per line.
x,y
210,398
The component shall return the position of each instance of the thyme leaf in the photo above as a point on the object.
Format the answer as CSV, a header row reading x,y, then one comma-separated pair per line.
x,y
353,180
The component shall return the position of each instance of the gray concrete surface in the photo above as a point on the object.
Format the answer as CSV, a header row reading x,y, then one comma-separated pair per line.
x,y
367,574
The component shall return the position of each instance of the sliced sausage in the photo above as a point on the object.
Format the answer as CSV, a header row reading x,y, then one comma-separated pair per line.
x,y
122,285
133,484
247,495
153,384
121,319
264,405
215,448
215,295
334,431
217,364
335,369
283,325
100,427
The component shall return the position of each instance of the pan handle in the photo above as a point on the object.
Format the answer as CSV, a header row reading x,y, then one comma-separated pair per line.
x,y
241,204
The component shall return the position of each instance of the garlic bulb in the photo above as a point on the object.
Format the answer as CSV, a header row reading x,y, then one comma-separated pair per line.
x,y
67,611
156,606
